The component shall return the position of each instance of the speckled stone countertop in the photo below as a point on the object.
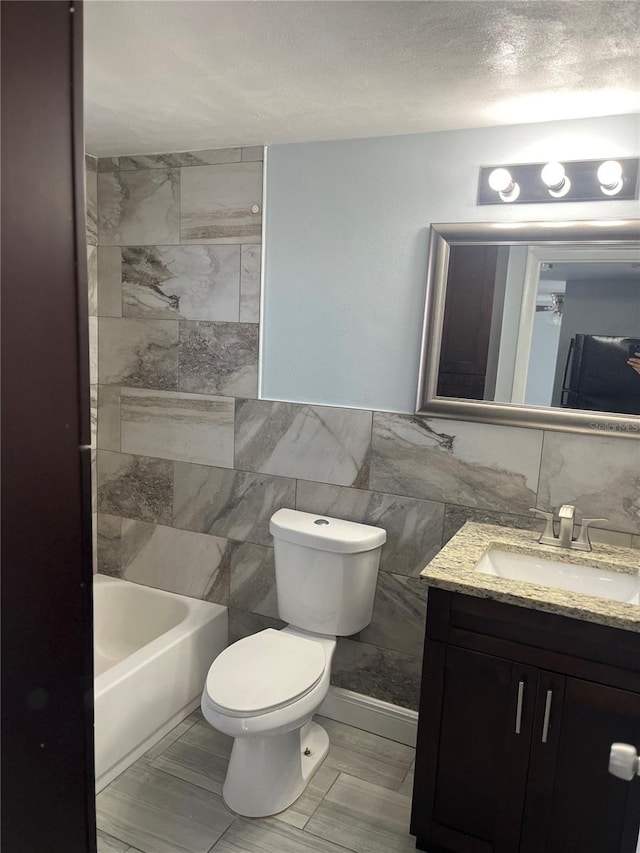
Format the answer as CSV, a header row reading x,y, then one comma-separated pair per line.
x,y
453,568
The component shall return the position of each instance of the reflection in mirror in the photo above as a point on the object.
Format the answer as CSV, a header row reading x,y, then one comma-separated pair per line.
x,y
537,321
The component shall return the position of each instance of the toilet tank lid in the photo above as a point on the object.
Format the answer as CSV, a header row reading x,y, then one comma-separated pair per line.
x,y
325,533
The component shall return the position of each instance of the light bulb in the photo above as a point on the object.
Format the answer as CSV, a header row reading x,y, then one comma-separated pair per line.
x,y
500,181
553,175
610,177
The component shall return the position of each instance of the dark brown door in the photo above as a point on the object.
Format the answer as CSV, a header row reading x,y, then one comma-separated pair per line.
x,y
473,753
466,327
573,803
47,733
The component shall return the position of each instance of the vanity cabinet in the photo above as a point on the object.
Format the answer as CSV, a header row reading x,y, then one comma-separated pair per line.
x,y
518,712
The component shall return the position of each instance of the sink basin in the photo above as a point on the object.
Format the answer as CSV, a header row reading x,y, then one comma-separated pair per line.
x,y
574,577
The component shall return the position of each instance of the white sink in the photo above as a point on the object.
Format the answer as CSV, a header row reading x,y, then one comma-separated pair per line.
x,y
574,577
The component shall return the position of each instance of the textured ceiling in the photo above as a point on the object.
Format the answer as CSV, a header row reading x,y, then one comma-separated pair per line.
x,y
177,76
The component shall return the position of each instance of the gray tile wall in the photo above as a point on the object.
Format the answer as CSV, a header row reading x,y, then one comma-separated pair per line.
x,y
191,465
91,201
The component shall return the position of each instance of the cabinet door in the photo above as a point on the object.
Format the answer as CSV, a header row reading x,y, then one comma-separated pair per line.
x,y
476,719
573,803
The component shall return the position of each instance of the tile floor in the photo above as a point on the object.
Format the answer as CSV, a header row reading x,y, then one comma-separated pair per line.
x,y
170,801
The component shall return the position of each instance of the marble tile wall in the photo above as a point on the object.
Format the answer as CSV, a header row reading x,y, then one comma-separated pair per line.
x,y
191,465
91,215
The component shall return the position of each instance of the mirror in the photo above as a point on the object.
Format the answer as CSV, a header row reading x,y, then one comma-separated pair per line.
x,y
534,324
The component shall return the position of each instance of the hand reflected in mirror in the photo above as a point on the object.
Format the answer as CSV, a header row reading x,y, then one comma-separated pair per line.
x,y
634,362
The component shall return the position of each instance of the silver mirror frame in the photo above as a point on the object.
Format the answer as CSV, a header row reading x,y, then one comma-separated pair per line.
x,y
619,233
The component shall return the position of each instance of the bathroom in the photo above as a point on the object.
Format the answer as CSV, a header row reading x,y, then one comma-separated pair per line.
x,y
292,384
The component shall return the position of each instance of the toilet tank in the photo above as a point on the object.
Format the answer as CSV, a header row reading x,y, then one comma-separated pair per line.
x,y
326,571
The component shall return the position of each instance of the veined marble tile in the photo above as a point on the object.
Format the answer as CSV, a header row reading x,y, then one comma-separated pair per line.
x,y
364,817
456,516
219,358
399,613
94,480
181,282
414,527
108,544
93,414
107,164
207,157
382,673
184,427
139,207
319,443
598,474
253,579
477,465
158,813
90,163
109,281
271,836
250,283
243,624
93,350
108,417
135,486
92,279
91,200
139,353
252,153
216,204
229,503
174,560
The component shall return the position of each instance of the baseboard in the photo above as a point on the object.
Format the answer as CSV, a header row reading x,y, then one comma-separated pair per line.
x,y
372,715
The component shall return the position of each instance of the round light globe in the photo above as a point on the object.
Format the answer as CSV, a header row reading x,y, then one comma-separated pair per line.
x,y
610,173
553,175
500,180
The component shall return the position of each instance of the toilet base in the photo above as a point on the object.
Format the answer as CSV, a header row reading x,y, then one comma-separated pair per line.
x,y
266,774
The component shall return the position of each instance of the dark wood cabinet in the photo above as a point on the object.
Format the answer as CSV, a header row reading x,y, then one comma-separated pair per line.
x,y
514,736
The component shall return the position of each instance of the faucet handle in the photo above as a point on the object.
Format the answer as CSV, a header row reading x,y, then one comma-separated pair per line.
x,y
548,532
583,537
567,511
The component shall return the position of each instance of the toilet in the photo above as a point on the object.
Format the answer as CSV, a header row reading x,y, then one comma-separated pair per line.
x,y
264,689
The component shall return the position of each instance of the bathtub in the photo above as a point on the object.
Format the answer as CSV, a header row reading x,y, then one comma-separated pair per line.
x,y
152,651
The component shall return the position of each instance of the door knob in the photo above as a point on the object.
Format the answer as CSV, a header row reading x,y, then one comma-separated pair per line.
x,y
623,761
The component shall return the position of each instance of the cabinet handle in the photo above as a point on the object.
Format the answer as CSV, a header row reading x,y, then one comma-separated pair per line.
x,y
547,716
519,706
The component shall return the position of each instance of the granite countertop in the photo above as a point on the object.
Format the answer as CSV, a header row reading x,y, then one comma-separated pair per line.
x,y
453,569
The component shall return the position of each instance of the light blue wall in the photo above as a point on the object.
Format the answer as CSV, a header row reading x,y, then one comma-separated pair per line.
x,y
346,234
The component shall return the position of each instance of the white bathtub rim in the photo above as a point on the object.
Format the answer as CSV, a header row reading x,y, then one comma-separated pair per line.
x,y
199,614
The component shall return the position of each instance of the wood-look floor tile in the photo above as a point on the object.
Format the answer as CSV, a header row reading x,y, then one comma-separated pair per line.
x,y
200,756
271,836
407,786
165,742
363,817
299,813
157,813
367,756
109,844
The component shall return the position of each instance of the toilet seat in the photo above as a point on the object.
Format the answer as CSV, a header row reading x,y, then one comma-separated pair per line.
x,y
264,672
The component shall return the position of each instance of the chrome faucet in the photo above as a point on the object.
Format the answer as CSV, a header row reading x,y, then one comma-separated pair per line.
x,y
565,538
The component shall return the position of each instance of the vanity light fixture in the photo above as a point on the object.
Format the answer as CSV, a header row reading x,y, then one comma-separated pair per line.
x,y
555,181
555,178
610,177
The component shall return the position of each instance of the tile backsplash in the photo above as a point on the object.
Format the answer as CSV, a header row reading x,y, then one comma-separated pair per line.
x,y
191,465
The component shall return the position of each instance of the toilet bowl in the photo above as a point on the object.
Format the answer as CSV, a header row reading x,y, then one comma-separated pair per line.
x,y
264,689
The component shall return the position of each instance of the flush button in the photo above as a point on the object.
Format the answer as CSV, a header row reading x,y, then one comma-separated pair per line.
x,y
321,521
